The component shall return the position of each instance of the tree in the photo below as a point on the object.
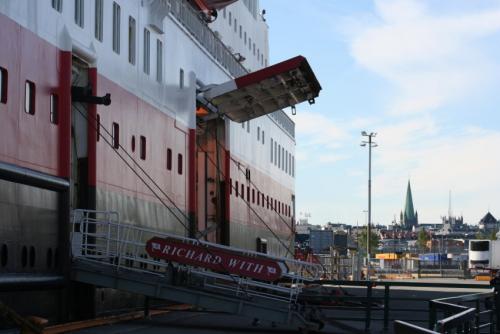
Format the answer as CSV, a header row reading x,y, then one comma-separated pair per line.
x,y
374,240
422,239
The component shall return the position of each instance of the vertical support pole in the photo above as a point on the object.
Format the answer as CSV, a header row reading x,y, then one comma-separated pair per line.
x,y
386,306
432,315
368,306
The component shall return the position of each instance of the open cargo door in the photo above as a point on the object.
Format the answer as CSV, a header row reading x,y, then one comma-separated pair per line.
x,y
265,91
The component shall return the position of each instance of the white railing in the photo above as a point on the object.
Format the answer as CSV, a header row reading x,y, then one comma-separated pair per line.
x,y
98,236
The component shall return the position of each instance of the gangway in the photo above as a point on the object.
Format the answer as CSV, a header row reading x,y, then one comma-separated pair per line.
x,y
112,254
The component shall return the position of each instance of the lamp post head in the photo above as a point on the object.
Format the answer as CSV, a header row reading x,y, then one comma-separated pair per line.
x,y
363,133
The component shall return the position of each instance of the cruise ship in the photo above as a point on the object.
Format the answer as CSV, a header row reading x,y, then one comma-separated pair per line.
x,y
167,112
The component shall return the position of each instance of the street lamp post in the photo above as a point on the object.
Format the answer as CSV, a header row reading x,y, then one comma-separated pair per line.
x,y
370,143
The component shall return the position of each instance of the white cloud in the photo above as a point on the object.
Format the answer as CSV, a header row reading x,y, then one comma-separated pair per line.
x,y
430,59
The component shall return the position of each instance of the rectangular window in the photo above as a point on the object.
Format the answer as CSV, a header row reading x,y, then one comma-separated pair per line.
x,y
249,43
243,191
248,126
245,37
29,97
267,201
116,27
286,162
235,25
4,80
181,78
179,164
258,197
241,32
230,19
282,158
272,155
159,60
243,125
293,166
79,13
263,141
131,40
253,196
224,12
142,147
116,135
262,199
279,156
57,5
146,50
54,108
248,194
99,9
236,189
169,159
275,154
98,127
258,133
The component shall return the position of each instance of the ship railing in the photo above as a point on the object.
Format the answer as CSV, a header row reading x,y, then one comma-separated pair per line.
x,y
99,236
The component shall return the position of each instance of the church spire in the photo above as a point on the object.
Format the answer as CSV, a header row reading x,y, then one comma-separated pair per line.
x,y
409,211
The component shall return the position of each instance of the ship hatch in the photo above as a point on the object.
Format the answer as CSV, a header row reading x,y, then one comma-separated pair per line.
x,y
265,91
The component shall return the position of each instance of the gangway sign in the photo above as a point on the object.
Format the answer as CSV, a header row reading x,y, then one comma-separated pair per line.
x,y
215,258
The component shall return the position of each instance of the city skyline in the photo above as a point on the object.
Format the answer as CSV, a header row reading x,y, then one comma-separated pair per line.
x,y
423,75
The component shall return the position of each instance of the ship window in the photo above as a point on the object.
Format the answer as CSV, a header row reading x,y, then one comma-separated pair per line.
x,y
224,13
116,135
3,84
262,199
159,60
4,256
279,156
248,126
253,196
293,166
263,141
79,13
132,143
249,43
169,159
57,5
258,54
241,32
99,9
142,147
98,127
258,133
248,194
116,27
179,164
236,189
243,125
181,78
131,40
245,37
282,158
286,161
146,51
230,19
243,191
272,155
235,25
54,108
267,201
275,154
258,197
29,98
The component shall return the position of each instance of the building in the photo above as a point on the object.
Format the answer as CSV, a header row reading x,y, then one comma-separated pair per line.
x,y
488,223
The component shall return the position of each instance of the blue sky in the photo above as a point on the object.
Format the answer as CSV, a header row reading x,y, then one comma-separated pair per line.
x,y
424,75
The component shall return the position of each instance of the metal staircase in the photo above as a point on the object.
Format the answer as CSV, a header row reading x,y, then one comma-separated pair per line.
x,y
111,254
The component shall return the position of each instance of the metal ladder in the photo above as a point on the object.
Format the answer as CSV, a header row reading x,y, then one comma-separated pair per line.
x,y
111,254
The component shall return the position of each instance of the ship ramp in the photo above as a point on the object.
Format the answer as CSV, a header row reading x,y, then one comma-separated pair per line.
x,y
111,254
